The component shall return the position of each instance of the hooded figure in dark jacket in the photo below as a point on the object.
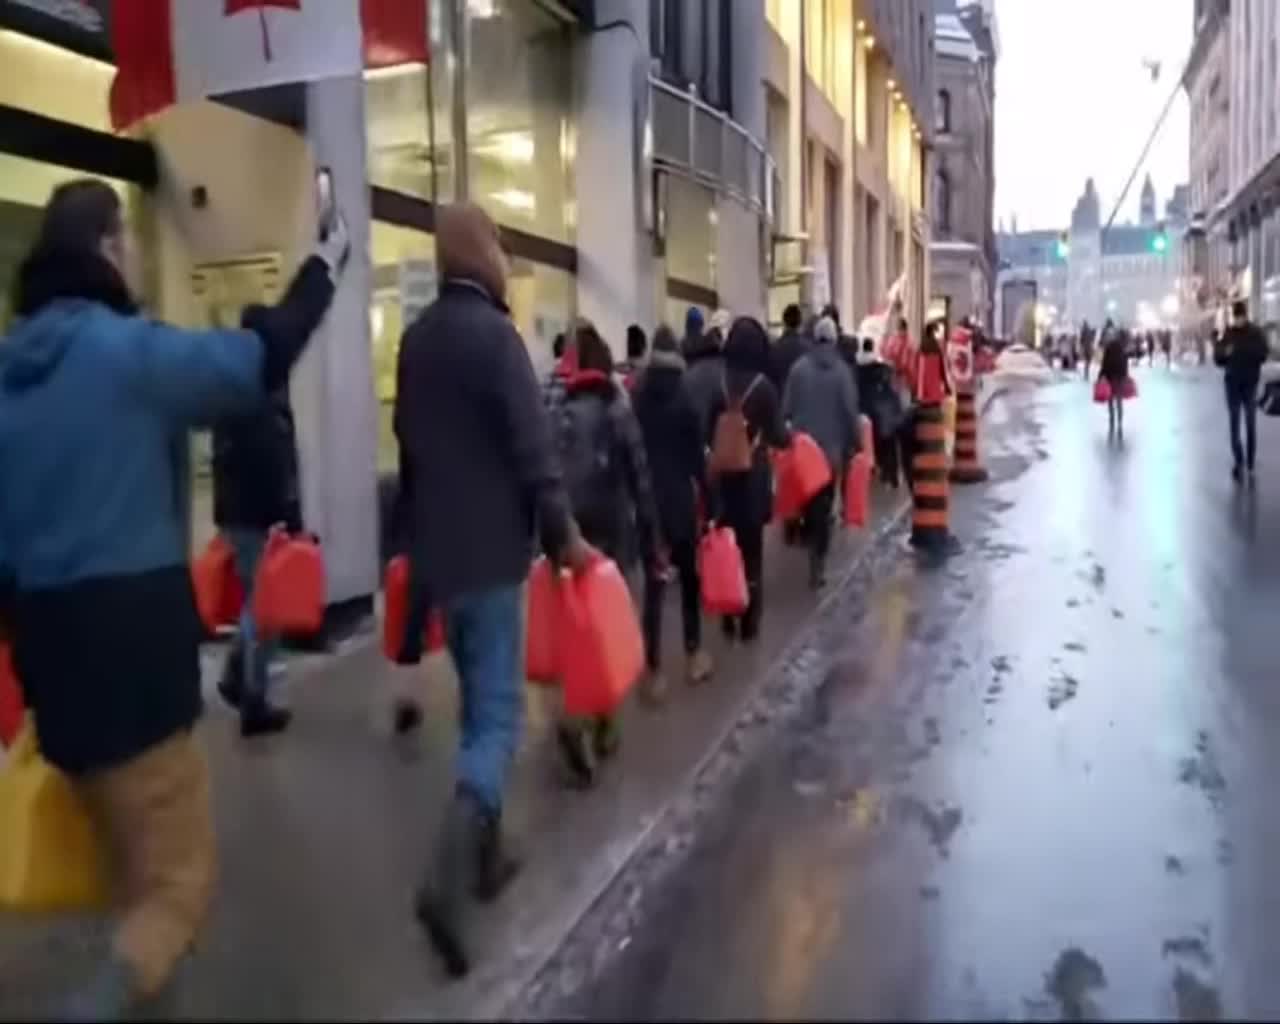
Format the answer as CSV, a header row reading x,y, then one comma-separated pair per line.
x,y
790,346
746,498
704,366
96,401
602,455
481,476
879,400
678,465
821,400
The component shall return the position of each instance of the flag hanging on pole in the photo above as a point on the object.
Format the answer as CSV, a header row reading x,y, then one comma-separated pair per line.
x,y
177,51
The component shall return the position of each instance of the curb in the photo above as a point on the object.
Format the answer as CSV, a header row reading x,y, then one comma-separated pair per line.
x,y
533,996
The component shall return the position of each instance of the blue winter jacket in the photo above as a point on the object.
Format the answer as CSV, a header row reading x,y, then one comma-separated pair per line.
x,y
95,407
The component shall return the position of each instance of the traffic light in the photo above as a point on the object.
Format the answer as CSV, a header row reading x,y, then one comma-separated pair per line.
x,y
1160,240
1063,248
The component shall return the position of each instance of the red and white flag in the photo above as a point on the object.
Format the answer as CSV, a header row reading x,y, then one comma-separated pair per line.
x,y
175,51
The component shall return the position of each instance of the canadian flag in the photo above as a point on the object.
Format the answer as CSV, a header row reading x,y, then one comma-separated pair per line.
x,y
174,51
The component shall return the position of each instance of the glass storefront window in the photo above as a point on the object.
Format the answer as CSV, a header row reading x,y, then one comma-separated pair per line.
x,y
404,283
691,237
396,112
519,132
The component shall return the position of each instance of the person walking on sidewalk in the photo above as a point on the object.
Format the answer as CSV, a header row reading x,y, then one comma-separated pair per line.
x,y
790,346
1241,353
1115,371
704,362
477,442
637,348
677,462
821,400
693,327
95,404
602,454
878,398
744,419
255,487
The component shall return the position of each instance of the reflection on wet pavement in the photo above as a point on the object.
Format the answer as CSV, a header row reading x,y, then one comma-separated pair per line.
x,y
1034,782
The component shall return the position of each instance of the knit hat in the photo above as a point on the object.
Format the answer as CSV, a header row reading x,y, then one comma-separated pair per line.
x,y
693,321
665,352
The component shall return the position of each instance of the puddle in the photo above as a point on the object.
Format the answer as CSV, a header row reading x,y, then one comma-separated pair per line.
x,y
1061,690
1074,976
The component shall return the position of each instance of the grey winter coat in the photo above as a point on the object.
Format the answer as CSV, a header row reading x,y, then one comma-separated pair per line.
x,y
821,400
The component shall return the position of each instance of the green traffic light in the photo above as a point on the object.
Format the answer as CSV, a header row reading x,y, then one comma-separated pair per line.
x,y
1063,250
1159,243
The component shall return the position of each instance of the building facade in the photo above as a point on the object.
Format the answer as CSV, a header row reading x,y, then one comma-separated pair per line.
x,y
962,195
847,103
1251,215
640,157
1130,273
1207,81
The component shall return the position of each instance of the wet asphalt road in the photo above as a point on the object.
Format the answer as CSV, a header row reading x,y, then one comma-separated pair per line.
x,y
1038,783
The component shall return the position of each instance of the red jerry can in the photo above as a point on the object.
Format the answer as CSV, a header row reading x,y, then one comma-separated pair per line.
x,y
289,594
395,616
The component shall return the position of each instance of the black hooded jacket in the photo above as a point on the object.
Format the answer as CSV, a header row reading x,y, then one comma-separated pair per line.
x,y
677,456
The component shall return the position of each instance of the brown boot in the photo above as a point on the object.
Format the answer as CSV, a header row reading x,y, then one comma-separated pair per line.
x,y
701,667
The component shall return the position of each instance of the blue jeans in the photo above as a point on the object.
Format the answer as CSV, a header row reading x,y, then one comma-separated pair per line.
x,y
256,652
484,636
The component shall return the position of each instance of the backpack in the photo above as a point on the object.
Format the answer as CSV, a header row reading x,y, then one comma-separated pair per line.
x,y
585,444
732,449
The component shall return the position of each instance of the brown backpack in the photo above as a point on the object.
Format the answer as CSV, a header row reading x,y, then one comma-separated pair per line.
x,y
731,446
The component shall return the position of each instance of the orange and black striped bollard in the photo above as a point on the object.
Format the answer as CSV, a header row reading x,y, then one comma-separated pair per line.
x,y
930,493
967,468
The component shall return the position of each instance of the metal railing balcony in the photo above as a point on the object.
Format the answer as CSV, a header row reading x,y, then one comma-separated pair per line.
x,y
693,139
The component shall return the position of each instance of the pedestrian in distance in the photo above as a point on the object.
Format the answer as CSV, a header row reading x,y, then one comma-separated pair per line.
x,y
879,400
637,347
821,400
95,404
692,342
793,343
1241,352
745,420
602,454
704,367
677,463
790,346
1115,371
255,488
477,441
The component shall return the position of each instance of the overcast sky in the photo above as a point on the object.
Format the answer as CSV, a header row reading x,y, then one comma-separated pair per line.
x,y
1073,100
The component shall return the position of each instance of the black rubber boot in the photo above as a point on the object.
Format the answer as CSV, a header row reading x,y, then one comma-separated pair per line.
x,y
442,901
258,718
231,685
495,865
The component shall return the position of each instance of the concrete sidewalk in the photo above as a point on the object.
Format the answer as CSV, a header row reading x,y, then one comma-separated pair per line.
x,y
324,832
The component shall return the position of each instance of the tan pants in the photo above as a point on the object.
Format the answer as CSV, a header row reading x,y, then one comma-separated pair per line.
x,y
154,813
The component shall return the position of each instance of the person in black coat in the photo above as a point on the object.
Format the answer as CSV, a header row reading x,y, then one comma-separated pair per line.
x,y
1115,371
678,467
484,484
790,346
255,487
1241,353
882,404
746,498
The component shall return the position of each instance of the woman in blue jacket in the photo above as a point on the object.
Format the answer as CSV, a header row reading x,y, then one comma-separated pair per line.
x,y
95,404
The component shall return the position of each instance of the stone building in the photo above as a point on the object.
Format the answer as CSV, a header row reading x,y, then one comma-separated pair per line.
x,y
963,251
